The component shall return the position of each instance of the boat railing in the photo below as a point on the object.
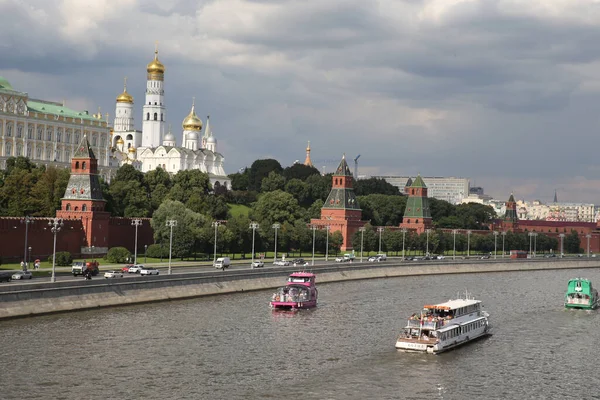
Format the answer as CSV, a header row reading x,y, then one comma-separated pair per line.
x,y
426,324
571,300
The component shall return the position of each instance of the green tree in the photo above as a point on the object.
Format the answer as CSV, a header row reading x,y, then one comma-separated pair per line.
x,y
259,170
383,210
274,181
185,234
299,190
299,171
276,206
572,243
365,187
239,180
319,187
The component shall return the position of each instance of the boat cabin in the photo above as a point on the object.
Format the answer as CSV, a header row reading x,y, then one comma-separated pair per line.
x,y
301,278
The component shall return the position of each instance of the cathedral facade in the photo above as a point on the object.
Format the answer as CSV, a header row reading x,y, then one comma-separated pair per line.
x,y
155,146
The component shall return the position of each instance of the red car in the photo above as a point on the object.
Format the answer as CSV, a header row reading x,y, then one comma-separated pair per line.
x,y
126,268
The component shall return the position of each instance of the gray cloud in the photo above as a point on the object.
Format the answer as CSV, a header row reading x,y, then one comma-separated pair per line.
x,y
500,91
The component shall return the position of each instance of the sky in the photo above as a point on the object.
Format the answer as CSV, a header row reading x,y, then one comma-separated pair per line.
x,y
504,92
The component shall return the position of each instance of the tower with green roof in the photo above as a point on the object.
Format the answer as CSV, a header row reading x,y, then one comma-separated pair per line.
x,y
417,215
341,211
511,218
83,197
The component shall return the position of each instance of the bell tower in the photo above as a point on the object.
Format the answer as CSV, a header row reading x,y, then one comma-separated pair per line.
x,y
83,197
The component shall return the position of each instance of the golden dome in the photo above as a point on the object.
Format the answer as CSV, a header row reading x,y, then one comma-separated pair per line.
x,y
125,97
132,149
155,66
120,141
192,122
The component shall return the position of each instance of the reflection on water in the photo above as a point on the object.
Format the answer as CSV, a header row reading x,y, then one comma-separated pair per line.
x,y
236,347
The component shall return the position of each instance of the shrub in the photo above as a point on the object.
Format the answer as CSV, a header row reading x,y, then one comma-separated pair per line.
x,y
63,258
118,255
156,251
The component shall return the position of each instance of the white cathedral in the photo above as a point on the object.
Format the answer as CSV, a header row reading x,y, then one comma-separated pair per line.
x,y
152,148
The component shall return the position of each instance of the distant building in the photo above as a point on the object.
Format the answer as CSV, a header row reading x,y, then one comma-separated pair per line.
x,y
47,132
450,189
568,212
307,161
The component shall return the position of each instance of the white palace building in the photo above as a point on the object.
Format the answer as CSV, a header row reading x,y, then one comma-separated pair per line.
x,y
153,147
48,132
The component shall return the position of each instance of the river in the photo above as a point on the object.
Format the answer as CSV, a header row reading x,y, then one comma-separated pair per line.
x,y
235,347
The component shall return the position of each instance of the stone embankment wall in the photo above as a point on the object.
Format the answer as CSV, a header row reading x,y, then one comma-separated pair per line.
x,y
35,299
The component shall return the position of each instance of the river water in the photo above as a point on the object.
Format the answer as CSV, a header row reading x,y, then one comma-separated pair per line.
x,y
235,347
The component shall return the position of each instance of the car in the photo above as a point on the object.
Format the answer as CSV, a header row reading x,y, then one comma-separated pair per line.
x,y
378,258
340,259
257,264
126,268
299,262
486,257
22,275
441,257
148,271
113,274
135,269
283,263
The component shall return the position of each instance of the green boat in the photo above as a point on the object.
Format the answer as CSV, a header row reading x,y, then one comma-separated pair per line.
x,y
580,294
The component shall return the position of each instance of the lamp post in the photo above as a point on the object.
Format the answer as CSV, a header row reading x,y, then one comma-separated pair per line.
x,y
534,243
562,249
145,252
55,225
427,246
468,243
135,222
253,226
503,237
27,220
362,236
314,229
380,230
216,225
403,239
93,252
171,223
454,231
588,236
530,234
275,226
29,254
327,228
496,233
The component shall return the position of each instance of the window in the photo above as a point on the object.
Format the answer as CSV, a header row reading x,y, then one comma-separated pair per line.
x,y
84,207
19,131
68,207
94,140
19,150
59,135
49,134
7,149
76,164
29,151
68,137
38,153
83,166
156,116
9,129
161,117
147,116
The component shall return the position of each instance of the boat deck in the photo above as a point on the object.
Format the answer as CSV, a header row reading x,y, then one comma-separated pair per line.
x,y
418,340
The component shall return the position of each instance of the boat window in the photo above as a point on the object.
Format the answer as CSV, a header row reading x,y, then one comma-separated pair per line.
x,y
298,279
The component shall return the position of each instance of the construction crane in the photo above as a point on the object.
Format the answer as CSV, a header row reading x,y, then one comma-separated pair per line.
x,y
356,167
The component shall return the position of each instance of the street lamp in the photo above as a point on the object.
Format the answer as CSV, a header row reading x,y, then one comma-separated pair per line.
x,y
380,230
93,252
55,225
314,229
403,238
145,252
454,231
530,234
562,250
135,222
253,226
468,243
427,246
362,236
27,220
588,236
216,225
275,226
327,228
496,233
171,223
534,243
29,254
503,237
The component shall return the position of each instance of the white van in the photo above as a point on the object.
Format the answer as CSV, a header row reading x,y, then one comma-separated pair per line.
x,y
222,263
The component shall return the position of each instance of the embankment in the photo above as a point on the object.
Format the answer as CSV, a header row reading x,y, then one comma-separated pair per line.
x,y
44,298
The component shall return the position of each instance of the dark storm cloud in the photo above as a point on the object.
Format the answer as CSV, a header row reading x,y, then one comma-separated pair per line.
x,y
486,89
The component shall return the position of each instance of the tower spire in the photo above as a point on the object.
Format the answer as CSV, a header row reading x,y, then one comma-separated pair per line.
x,y
555,197
308,162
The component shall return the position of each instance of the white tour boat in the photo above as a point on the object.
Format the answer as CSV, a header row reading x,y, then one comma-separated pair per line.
x,y
443,326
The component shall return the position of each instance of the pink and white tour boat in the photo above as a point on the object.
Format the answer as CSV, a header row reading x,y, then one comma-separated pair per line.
x,y
299,292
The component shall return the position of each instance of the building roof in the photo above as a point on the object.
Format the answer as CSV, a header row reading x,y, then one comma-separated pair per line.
x,y
58,109
418,183
4,84
343,169
84,150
